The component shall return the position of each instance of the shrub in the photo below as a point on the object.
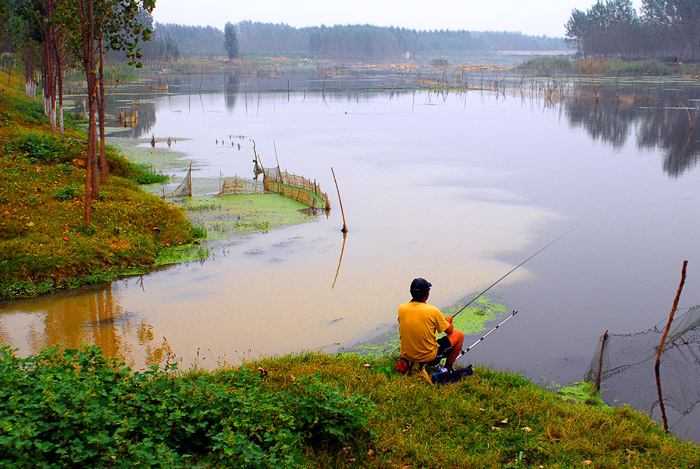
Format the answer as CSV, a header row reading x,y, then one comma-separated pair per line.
x,y
43,148
547,64
73,407
67,193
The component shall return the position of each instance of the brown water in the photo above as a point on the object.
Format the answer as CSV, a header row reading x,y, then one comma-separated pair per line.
x,y
457,188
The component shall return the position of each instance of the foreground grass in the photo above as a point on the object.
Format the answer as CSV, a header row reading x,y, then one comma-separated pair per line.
x,y
44,241
74,408
492,419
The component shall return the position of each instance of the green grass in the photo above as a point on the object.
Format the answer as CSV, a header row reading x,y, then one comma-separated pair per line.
x,y
44,241
69,408
492,419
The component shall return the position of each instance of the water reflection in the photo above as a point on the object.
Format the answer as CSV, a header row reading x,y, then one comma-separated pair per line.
x,y
232,82
662,120
86,317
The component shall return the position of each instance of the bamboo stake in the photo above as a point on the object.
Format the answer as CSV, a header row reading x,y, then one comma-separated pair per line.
x,y
662,345
189,178
600,361
345,227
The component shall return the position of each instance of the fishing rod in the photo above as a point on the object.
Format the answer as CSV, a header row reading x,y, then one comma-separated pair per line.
x,y
510,272
486,335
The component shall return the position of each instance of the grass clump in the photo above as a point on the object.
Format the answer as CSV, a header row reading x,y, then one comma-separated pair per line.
x,y
547,64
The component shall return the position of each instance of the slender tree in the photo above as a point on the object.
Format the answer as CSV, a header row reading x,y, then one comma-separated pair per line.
x,y
231,40
98,22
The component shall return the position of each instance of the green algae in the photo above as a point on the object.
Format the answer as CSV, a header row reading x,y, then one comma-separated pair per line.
x,y
235,215
471,321
581,392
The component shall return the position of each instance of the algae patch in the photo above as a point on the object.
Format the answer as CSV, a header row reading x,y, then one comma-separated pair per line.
x,y
472,321
581,392
228,216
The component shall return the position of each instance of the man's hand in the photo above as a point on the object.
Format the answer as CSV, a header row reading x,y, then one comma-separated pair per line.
x,y
451,327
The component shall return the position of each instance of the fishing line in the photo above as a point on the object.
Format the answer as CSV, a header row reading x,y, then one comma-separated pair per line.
x,y
510,272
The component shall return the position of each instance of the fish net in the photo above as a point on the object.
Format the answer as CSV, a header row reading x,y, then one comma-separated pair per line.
x,y
626,368
272,174
185,187
236,185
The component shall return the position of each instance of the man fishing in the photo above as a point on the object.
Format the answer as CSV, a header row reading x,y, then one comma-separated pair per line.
x,y
418,323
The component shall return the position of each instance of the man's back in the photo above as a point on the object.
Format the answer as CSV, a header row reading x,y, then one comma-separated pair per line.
x,y
418,323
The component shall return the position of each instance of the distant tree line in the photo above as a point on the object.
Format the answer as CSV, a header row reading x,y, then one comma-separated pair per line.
x,y
351,41
613,28
193,40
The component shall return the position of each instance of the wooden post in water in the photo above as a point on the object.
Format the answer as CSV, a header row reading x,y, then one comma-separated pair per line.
x,y
600,361
345,227
662,345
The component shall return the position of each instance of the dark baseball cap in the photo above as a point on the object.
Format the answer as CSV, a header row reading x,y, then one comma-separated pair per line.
x,y
420,286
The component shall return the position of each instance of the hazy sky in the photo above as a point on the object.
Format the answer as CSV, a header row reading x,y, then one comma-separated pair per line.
x,y
535,17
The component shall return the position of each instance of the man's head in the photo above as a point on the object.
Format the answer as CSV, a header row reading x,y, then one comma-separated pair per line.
x,y
420,288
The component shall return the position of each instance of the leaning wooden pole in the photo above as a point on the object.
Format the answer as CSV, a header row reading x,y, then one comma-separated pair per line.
x,y
600,361
345,227
663,344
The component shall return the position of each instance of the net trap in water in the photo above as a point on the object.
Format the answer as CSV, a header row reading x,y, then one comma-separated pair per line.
x,y
623,365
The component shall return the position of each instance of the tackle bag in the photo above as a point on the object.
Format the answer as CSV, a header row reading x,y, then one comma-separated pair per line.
x,y
403,365
451,376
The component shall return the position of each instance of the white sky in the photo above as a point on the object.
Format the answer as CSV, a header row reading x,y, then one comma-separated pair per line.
x,y
532,17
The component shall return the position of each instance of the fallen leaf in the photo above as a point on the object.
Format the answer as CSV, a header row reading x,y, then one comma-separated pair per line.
x,y
527,429
31,223
505,420
587,462
370,454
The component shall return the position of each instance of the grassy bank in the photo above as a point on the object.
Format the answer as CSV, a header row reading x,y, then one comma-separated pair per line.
x,y
610,67
70,408
44,242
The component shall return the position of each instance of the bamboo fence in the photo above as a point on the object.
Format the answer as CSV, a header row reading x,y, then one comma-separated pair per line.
x,y
296,187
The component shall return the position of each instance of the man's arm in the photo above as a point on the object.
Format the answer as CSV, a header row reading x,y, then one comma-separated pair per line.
x,y
451,326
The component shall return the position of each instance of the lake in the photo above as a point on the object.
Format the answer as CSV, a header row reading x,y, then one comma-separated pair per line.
x,y
458,187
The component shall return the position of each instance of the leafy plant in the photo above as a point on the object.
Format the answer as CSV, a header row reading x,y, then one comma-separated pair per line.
x,y
199,232
67,193
145,174
43,148
73,407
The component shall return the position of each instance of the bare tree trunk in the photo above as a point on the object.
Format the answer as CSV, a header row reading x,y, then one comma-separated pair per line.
x,y
104,167
88,36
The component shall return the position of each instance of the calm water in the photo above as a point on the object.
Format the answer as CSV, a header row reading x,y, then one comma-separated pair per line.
x,y
457,188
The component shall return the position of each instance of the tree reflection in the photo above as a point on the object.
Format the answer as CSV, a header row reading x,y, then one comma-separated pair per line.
x,y
88,317
661,122
232,84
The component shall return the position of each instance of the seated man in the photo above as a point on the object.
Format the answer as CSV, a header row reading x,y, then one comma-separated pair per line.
x,y
418,323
